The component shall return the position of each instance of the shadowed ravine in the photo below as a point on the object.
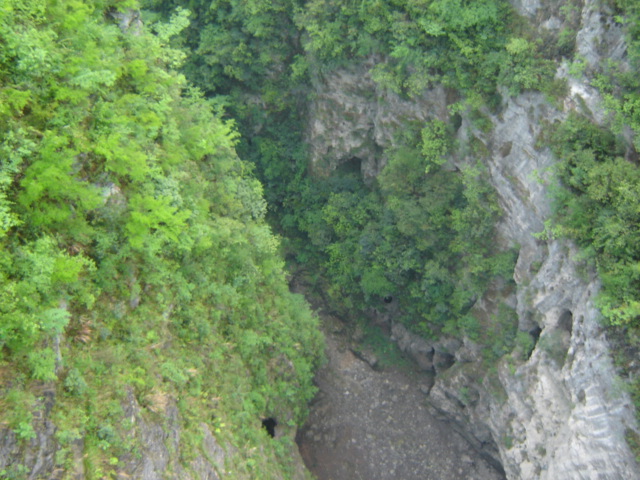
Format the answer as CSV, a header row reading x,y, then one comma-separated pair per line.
x,y
374,425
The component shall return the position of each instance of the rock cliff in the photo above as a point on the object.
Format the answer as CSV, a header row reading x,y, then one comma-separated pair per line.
x,y
560,411
160,451
352,119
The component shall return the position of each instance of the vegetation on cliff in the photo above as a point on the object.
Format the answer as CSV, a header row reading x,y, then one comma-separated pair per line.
x,y
598,203
263,54
135,258
422,232
597,200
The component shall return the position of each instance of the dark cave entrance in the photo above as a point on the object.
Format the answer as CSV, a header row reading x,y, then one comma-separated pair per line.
x,y
269,424
565,322
352,166
535,336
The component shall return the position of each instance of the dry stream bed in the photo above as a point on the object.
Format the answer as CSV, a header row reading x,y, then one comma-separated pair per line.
x,y
373,424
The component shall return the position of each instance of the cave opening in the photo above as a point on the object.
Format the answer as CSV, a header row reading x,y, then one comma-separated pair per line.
x,y
352,166
269,424
535,336
565,322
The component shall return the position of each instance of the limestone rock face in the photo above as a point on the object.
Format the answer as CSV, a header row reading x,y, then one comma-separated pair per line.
x,y
37,456
129,21
158,443
351,119
560,412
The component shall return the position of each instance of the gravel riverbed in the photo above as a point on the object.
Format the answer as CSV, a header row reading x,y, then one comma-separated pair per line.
x,y
373,424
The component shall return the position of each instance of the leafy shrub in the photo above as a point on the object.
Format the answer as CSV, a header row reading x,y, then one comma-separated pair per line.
x,y
598,209
74,383
20,404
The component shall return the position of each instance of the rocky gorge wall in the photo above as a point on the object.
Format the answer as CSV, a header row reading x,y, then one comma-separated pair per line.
x,y
559,412
159,442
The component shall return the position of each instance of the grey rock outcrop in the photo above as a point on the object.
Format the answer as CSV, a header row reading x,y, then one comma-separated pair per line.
x,y
160,449
129,21
34,458
558,411
159,442
352,119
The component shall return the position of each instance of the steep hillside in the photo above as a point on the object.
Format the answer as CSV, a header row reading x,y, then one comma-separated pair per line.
x,y
146,326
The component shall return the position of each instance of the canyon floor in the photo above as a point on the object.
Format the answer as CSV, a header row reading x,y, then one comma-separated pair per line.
x,y
373,424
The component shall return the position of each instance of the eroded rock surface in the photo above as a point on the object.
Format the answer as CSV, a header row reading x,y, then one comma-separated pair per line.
x,y
351,119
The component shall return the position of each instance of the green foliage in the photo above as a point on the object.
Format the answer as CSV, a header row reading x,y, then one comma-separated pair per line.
x,y
422,234
499,334
75,383
42,363
524,344
134,259
154,217
375,284
457,43
619,83
238,42
35,278
15,472
523,68
19,407
554,345
599,208
436,143
387,353
633,440
422,230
